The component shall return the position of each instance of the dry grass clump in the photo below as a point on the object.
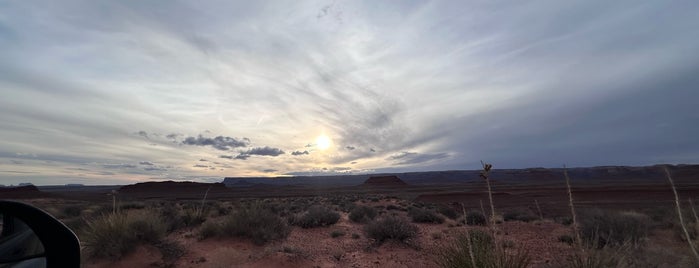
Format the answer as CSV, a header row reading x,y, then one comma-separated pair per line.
x,y
424,216
478,249
523,215
362,214
475,217
390,228
254,222
316,216
613,228
448,212
117,234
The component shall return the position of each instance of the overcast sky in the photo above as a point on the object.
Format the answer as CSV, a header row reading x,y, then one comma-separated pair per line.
x,y
101,92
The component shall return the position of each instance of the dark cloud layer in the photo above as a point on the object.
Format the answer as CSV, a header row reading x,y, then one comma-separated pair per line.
x,y
296,153
263,151
219,142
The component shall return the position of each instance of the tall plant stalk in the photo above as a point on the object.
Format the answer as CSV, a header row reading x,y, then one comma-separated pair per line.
x,y
679,214
576,228
468,237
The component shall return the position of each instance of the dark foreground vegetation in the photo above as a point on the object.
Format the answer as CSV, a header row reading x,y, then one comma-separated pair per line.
x,y
446,234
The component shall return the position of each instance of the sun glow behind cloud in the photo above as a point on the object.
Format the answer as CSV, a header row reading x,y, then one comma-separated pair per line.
x,y
205,90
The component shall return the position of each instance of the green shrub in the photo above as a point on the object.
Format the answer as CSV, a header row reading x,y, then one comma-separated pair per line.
x,y
257,224
603,228
392,228
519,215
474,217
362,214
424,216
485,254
316,216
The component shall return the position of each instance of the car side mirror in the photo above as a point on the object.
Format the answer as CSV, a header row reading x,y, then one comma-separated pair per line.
x,y
30,237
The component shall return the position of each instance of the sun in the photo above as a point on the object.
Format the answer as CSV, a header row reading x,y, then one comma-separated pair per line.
x,y
323,142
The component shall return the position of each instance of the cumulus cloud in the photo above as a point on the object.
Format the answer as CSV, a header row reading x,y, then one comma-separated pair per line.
x,y
299,153
219,142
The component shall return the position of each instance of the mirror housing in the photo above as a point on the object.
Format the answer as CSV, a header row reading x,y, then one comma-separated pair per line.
x,y
61,245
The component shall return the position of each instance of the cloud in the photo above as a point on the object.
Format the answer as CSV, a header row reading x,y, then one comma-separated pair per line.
x,y
200,166
154,169
407,158
264,151
269,170
203,160
299,153
142,134
119,166
225,156
219,142
145,163
242,156
349,147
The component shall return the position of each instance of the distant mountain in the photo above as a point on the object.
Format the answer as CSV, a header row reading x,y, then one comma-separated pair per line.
x,y
655,173
26,191
173,187
384,181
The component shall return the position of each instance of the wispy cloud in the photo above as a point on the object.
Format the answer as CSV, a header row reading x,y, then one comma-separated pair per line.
x,y
409,86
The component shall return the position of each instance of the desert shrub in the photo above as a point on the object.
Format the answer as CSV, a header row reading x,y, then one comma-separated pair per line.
x,y
255,223
613,228
170,250
524,215
171,215
192,217
115,235
601,257
73,211
336,233
474,217
316,216
132,205
447,211
147,228
425,216
392,228
209,229
567,221
566,239
392,207
362,214
485,254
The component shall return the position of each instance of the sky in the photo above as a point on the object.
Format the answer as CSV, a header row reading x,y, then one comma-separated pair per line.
x,y
112,92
